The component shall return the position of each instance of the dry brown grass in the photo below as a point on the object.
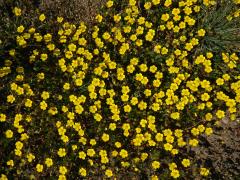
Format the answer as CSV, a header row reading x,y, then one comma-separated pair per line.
x,y
222,150
72,10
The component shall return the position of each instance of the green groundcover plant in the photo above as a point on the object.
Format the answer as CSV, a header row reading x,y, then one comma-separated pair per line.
x,y
132,94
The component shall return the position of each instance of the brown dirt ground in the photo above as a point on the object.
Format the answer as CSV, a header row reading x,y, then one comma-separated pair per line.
x,y
221,151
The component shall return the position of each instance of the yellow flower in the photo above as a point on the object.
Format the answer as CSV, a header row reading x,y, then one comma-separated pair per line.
x,y
68,54
43,105
175,115
112,126
201,128
172,166
144,156
150,35
127,108
125,89
2,117
186,162
153,69
62,177
99,18
44,57
24,136
106,36
147,5
59,19
39,167
82,155
20,29
178,133
114,153
147,92
165,17
72,47
30,157
168,3
155,107
28,103
208,131
108,173
156,2
154,177
98,117
155,164
42,17
10,163
66,86
133,37
74,147
175,173
117,18
174,151
124,97
62,170
61,152
193,142
3,177
170,139
220,81
168,147
49,162
123,153
164,51
118,144
18,152
109,4
204,171
19,145
142,105
45,95
82,172
134,101
132,2
157,49
208,116
17,11
12,52
175,11
9,133
197,8
226,77
220,114
40,76
167,132
105,137
90,152
195,131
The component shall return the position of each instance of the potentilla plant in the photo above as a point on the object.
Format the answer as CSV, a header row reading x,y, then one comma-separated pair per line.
x,y
131,95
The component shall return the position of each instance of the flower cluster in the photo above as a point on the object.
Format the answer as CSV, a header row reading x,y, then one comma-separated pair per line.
x,y
134,93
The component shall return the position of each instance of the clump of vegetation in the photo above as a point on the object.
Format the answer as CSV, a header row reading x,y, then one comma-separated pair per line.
x,y
129,96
